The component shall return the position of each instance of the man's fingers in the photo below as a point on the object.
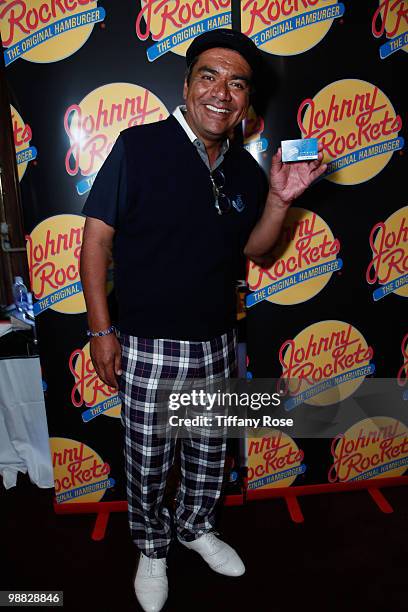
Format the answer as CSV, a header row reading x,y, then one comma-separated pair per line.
x,y
109,377
318,171
316,163
106,373
277,159
106,354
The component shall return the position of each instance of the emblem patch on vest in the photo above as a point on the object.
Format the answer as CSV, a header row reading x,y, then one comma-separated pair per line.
x,y
238,203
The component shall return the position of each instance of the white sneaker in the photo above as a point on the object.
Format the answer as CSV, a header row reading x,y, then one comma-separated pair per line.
x,y
221,557
151,585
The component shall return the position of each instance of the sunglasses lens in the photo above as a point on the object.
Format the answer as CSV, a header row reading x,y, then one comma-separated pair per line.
x,y
224,203
218,178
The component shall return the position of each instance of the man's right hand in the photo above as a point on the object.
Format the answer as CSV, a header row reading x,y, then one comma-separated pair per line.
x,y
106,358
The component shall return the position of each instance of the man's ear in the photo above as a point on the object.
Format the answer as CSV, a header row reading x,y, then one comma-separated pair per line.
x,y
185,89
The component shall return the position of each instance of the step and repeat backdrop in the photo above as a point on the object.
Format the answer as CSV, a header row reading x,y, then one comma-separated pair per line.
x,y
332,307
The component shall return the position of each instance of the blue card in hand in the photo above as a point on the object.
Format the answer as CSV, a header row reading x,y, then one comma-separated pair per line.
x,y
302,149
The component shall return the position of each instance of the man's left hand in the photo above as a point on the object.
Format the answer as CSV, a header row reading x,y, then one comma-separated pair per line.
x,y
289,180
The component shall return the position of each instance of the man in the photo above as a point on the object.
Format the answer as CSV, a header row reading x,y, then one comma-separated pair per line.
x,y
181,205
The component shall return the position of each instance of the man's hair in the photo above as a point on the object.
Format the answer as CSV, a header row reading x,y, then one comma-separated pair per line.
x,y
189,70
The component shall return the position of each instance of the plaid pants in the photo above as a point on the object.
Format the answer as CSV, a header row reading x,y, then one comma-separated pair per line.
x,y
146,363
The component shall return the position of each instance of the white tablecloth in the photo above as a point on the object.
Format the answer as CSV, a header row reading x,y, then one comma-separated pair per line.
x,y
24,442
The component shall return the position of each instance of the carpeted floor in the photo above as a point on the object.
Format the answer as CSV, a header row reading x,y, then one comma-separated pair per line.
x,y
347,555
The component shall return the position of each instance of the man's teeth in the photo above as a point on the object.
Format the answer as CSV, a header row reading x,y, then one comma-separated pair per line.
x,y
217,110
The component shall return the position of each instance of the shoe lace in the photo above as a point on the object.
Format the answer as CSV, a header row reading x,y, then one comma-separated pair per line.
x,y
153,564
212,539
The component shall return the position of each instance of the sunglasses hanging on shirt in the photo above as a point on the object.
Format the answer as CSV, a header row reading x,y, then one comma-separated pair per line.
x,y
222,202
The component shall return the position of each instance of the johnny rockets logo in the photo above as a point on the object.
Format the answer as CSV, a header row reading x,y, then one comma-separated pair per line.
x,y
288,27
391,19
402,375
372,448
22,135
93,125
389,265
80,474
273,460
324,363
46,30
172,24
305,257
88,389
53,251
357,126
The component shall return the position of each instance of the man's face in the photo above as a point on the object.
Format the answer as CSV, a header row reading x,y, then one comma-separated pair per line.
x,y
217,96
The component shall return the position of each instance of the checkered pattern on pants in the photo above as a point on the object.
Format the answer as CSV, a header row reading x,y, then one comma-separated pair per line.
x,y
148,457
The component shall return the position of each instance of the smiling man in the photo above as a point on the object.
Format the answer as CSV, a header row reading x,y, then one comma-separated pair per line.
x,y
180,204
217,94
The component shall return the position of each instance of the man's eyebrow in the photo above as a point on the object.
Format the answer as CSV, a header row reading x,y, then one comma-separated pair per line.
x,y
234,77
241,77
207,69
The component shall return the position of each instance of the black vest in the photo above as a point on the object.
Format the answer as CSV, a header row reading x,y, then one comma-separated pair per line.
x,y
176,258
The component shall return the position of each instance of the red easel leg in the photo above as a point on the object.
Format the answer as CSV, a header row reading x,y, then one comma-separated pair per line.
x,y
380,500
101,522
294,509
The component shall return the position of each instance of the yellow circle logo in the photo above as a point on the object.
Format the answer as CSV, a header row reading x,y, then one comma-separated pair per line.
x,y
372,448
389,265
274,461
305,258
22,136
53,251
46,30
88,389
80,474
358,127
288,28
324,363
173,24
94,124
391,19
